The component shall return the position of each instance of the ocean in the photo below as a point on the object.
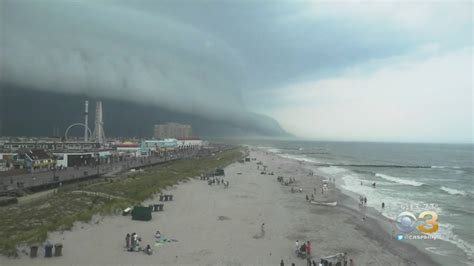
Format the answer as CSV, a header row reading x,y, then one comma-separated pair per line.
x,y
408,177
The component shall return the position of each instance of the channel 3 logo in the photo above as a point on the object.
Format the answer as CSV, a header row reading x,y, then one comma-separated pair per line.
x,y
427,222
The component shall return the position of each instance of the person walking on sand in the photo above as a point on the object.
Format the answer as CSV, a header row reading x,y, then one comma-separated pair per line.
x,y
282,263
365,201
297,246
307,198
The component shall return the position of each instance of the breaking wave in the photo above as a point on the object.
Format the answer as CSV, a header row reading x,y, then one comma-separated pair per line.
x,y
453,191
399,180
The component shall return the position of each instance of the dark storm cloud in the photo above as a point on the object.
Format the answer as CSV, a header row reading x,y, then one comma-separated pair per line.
x,y
175,54
117,52
224,59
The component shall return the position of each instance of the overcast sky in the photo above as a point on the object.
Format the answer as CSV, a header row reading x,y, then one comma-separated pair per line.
x,y
388,71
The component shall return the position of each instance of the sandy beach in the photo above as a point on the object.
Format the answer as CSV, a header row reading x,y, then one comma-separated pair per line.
x,y
213,225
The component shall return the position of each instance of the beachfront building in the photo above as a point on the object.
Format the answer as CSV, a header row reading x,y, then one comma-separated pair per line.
x,y
130,148
51,145
6,161
158,145
191,143
71,159
172,130
36,159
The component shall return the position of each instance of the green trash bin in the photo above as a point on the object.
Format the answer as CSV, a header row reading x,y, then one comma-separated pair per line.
x,y
141,213
48,250
34,251
58,250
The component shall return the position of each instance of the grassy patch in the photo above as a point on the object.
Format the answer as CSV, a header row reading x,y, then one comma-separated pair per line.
x,y
30,222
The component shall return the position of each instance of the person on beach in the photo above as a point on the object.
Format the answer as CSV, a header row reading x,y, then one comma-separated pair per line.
x,y
282,263
297,246
308,248
383,205
157,235
307,198
148,250
132,241
303,247
127,240
365,201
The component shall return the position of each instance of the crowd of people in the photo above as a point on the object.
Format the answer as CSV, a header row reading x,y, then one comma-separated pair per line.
x,y
218,181
303,250
132,244
363,201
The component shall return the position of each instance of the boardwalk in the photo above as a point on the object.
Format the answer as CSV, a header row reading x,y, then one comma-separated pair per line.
x,y
42,180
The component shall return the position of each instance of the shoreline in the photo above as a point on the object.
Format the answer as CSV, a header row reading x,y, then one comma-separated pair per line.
x,y
376,225
217,225
386,224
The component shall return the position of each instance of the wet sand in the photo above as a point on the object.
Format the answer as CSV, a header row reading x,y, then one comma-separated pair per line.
x,y
218,226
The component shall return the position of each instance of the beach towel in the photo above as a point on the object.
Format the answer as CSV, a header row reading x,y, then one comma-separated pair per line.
x,y
165,240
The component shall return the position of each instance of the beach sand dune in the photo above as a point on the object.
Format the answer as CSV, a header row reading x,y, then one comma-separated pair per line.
x,y
213,225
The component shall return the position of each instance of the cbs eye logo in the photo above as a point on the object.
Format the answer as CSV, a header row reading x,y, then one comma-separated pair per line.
x,y
406,222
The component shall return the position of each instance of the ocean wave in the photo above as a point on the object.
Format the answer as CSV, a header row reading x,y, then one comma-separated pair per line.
x,y
446,233
297,158
446,167
438,251
274,150
400,180
332,170
453,191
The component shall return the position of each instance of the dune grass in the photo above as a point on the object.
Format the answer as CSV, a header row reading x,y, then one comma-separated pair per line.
x,y
30,223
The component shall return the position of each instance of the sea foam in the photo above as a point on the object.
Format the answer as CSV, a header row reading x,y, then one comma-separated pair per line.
x,y
399,180
453,191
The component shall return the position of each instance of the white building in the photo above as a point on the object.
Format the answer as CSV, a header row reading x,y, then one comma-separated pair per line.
x,y
190,142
